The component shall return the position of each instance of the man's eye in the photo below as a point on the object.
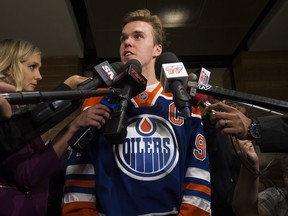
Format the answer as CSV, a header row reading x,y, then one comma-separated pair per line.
x,y
123,38
138,36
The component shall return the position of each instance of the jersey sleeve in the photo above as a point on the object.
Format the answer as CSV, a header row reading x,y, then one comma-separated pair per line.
x,y
79,188
197,189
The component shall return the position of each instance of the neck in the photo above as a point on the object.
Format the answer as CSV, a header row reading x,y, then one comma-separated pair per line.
x,y
149,73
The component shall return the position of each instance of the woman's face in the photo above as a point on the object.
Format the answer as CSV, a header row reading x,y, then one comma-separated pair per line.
x,y
31,73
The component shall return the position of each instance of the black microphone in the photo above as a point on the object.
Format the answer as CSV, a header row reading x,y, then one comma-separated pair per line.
x,y
243,97
132,82
106,76
27,97
173,77
45,115
247,99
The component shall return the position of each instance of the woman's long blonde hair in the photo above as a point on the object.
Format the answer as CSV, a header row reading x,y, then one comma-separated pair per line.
x,y
13,53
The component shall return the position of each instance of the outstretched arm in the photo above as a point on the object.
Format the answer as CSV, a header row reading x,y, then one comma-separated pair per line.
x,y
245,200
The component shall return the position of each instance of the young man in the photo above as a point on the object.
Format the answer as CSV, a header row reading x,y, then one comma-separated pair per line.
x,y
162,167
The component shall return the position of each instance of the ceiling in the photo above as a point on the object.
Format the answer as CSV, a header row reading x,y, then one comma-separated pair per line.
x,y
212,35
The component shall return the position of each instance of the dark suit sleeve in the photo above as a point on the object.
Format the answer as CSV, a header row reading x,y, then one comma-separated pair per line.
x,y
274,133
24,127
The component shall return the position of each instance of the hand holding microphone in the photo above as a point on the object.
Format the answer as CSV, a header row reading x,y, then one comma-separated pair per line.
x,y
132,82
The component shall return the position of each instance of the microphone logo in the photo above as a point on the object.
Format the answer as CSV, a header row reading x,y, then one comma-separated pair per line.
x,y
174,69
107,70
139,76
204,86
204,76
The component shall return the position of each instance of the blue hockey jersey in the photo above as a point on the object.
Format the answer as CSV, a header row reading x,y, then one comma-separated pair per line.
x,y
161,169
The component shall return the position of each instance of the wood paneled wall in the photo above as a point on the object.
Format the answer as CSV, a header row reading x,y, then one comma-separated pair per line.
x,y
264,74
55,70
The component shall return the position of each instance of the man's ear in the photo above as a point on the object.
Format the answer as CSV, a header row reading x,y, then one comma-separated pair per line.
x,y
157,50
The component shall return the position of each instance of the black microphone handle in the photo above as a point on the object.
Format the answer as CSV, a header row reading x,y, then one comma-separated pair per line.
x,y
131,82
90,84
115,130
181,98
81,138
266,102
36,97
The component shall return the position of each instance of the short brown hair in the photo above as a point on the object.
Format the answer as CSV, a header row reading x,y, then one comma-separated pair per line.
x,y
146,16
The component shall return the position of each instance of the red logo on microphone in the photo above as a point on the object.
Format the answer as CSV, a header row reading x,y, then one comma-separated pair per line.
x,y
174,69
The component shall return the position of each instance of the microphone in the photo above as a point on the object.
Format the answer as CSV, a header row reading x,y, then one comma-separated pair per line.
x,y
202,101
173,77
45,115
132,82
106,76
241,97
28,97
192,84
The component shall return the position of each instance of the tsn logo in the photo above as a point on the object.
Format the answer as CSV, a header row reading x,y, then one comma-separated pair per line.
x,y
108,71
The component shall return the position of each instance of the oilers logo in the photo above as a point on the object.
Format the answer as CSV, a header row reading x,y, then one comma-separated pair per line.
x,y
146,154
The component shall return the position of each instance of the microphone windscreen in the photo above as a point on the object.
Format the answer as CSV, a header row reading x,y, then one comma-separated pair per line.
x,y
117,66
192,77
198,98
136,65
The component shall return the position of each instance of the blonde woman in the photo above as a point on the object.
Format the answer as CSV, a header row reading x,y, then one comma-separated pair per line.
x,y
25,175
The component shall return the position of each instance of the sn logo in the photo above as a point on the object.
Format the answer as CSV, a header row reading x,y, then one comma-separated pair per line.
x,y
108,71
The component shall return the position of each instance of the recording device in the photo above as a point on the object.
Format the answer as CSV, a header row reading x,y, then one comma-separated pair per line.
x,y
246,99
132,82
220,92
106,76
173,77
36,119
202,101
28,97
197,99
192,84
